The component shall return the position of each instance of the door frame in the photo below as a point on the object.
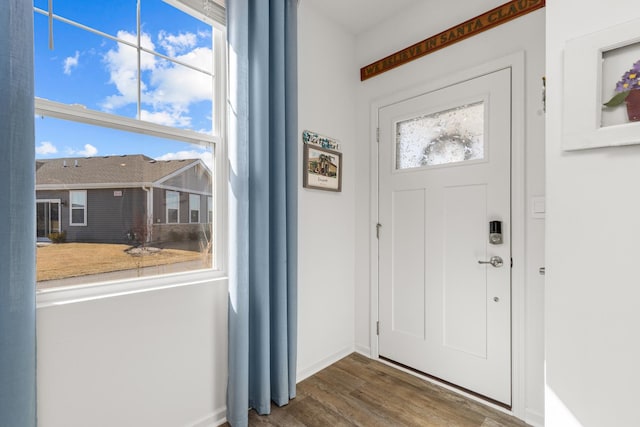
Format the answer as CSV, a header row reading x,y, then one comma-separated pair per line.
x,y
516,62
50,201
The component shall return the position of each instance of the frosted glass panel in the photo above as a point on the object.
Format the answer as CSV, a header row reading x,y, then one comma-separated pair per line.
x,y
449,136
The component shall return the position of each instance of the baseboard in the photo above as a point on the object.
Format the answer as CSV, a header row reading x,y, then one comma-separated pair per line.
x,y
217,418
534,418
327,361
365,351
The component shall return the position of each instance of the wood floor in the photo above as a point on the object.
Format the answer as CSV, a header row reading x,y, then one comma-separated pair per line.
x,y
357,391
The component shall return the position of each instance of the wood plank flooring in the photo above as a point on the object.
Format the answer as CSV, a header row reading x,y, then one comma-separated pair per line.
x,y
357,391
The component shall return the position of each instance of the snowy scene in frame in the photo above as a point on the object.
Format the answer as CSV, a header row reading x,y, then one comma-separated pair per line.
x,y
313,138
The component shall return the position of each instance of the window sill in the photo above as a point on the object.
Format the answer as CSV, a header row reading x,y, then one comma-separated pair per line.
x,y
96,291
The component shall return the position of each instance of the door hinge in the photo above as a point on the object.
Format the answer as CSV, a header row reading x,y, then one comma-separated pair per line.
x,y
378,225
377,327
511,262
377,134
544,94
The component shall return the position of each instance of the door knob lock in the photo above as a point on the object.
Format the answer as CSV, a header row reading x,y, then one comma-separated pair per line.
x,y
495,261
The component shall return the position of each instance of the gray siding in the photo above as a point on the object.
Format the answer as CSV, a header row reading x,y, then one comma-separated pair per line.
x,y
160,207
109,217
184,208
195,179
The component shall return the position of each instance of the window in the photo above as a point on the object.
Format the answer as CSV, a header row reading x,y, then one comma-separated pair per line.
x,y
156,68
129,119
451,136
210,209
173,207
194,208
78,208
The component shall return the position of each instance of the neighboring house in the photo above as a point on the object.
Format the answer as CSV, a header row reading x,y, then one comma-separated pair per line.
x,y
123,198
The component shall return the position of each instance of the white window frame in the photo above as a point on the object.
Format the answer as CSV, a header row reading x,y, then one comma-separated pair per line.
x,y
71,209
192,198
216,141
166,201
57,202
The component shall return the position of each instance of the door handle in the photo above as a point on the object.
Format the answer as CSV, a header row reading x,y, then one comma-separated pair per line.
x,y
495,261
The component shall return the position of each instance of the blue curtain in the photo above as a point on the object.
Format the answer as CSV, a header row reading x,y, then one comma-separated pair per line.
x,y
262,205
17,217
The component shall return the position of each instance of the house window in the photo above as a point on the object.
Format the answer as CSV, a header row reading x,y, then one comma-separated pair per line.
x,y
173,207
194,208
210,209
77,208
129,116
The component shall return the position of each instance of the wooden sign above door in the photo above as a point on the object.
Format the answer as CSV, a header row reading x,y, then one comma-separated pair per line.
x,y
500,15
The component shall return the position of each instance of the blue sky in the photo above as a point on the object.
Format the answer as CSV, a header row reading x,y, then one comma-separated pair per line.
x,y
101,74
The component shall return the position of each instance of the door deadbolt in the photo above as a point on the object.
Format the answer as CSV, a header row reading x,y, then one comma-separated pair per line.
x,y
495,261
495,232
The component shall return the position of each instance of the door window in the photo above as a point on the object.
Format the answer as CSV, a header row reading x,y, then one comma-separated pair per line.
x,y
450,136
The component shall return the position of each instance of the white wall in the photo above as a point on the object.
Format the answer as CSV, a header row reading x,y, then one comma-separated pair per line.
x,y
410,26
593,291
155,358
327,76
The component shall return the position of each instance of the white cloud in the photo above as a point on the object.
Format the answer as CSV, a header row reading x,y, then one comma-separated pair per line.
x,y
122,64
46,148
168,118
71,62
175,86
204,34
174,44
89,151
205,156
168,90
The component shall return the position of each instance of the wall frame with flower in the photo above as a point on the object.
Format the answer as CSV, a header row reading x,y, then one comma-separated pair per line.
x,y
593,65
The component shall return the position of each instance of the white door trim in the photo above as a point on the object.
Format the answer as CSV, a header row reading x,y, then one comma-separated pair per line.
x,y
516,62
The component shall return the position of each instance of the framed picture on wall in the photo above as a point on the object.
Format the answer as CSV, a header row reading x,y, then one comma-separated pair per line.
x,y
322,168
601,86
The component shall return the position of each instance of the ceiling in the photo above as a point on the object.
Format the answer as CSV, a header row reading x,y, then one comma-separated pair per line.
x,y
357,16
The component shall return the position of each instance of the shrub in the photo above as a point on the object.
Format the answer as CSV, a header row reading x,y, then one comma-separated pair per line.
x,y
139,232
175,236
56,237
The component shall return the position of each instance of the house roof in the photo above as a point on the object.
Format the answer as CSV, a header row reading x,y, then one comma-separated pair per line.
x,y
125,169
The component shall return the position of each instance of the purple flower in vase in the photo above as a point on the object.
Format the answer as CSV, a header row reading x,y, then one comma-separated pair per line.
x,y
628,82
620,86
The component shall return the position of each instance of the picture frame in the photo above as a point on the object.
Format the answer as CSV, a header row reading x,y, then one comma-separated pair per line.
x,y
322,168
593,64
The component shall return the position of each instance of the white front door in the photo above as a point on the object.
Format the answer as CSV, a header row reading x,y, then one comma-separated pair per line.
x,y
444,171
